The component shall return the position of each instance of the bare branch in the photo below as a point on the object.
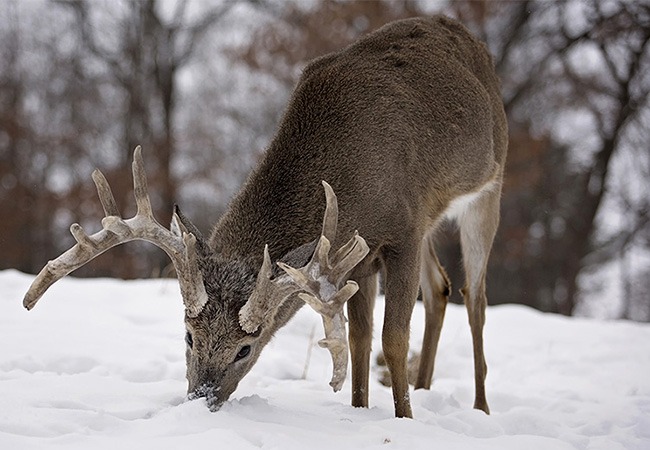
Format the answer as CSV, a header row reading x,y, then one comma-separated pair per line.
x,y
197,30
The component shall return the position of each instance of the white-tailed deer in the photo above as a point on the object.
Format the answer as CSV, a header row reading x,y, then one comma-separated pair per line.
x,y
408,127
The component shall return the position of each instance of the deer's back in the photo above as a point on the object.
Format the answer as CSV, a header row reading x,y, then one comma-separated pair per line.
x,y
398,123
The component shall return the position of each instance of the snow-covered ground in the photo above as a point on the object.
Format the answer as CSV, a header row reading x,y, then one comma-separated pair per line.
x,y
99,364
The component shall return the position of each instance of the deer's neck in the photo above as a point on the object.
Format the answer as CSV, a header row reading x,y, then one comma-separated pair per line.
x,y
274,208
286,312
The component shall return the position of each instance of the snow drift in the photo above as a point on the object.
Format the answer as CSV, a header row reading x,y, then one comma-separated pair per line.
x,y
100,364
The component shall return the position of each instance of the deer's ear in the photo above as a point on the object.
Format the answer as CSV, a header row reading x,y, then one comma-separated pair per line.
x,y
266,298
181,224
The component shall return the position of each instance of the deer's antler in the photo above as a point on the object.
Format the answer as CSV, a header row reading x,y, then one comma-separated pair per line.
x,y
326,289
180,245
321,283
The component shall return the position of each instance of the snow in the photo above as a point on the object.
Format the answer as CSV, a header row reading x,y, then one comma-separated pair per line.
x,y
100,364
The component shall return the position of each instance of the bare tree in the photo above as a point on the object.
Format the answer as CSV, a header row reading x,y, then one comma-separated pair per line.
x,y
575,78
576,91
41,94
105,79
141,63
144,62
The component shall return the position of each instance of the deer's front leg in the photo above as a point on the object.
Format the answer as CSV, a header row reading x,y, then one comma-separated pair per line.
x,y
402,281
360,315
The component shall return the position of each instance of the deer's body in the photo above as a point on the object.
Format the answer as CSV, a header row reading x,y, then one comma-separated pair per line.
x,y
403,124
408,127
399,123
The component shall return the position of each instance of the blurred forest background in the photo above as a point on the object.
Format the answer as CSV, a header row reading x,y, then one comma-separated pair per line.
x,y
201,85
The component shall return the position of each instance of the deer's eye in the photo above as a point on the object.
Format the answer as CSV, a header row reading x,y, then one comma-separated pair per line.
x,y
188,339
243,352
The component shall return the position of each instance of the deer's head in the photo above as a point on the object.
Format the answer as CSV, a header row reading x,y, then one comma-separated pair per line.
x,y
225,336
218,351
232,307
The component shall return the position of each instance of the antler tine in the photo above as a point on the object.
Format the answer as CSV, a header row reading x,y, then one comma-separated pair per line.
x,y
140,185
347,257
331,216
81,237
105,194
348,248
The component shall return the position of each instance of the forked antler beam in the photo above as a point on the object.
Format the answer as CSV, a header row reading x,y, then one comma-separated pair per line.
x,y
326,288
322,284
179,246
326,291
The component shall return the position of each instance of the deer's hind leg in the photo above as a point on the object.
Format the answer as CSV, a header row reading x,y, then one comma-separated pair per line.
x,y
360,308
435,287
478,225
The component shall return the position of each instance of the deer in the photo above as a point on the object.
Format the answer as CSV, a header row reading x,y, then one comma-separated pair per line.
x,y
403,129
